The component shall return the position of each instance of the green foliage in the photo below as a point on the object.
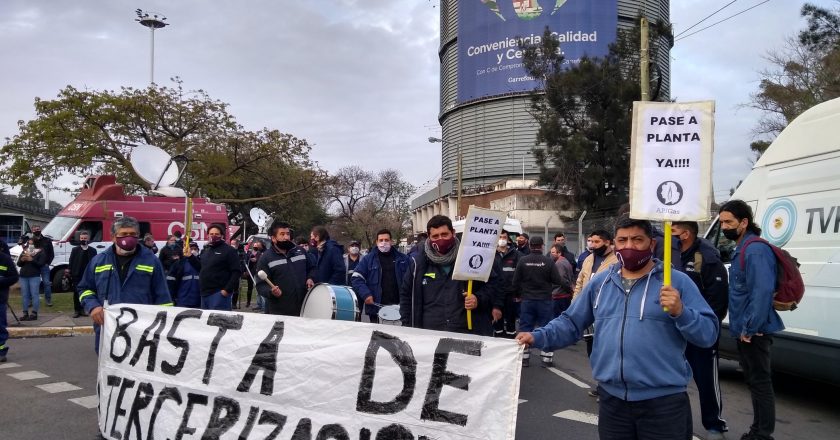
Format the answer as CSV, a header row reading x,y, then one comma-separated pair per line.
x,y
585,117
83,132
804,73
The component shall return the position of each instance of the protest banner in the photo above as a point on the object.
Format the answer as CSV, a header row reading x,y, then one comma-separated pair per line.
x,y
671,153
173,373
478,248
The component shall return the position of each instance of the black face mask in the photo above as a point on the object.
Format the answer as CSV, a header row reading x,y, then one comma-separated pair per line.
x,y
285,245
731,234
600,251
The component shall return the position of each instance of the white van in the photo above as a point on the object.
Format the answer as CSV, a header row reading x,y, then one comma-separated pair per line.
x,y
794,191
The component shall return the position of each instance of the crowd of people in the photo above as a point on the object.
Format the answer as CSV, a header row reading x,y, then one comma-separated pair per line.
x,y
646,338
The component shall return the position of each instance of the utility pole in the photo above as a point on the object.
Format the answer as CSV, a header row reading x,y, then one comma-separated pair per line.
x,y
644,55
458,199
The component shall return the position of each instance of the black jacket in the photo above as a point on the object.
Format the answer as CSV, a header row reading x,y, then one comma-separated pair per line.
x,y
46,245
701,262
32,268
330,263
289,272
167,256
422,275
506,265
79,259
536,277
219,269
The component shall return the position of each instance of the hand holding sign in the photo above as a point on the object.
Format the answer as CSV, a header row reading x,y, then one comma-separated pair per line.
x,y
470,301
669,299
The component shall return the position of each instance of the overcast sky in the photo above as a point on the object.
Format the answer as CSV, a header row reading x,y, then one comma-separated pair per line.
x,y
357,78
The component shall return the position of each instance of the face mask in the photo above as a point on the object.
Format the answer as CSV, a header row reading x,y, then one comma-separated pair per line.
x,y
632,259
284,245
600,251
384,247
83,242
443,245
194,253
731,234
354,250
173,245
127,244
313,242
215,239
502,242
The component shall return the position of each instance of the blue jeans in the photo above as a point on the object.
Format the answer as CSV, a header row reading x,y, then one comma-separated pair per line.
x,y
45,278
29,291
215,301
660,418
535,314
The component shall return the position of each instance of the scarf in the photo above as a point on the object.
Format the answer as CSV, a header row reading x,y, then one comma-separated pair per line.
x,y
441,260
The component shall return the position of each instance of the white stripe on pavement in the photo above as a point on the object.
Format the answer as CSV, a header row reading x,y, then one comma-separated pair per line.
x,y
89,402
9,365
58,387
28,375
578,416
521,401
568,377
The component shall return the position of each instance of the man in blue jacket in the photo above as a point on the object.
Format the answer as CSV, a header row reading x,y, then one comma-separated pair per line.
x,y
329,257
752,318
183,279
642,327
124,273
377,277
8,277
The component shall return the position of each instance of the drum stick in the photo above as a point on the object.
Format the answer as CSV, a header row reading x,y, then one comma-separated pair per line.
x,y
264,276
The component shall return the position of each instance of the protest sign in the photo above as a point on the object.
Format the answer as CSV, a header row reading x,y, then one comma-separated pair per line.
x,y
671,160
478,244
172,373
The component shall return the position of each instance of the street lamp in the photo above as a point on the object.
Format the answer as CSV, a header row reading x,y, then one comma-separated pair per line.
x,y
458,149
151,20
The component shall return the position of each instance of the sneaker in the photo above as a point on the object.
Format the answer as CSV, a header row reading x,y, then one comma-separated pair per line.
x,y
593,393
715,435
33,317
25,317
49,303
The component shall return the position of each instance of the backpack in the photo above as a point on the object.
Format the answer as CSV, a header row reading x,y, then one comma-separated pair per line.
x,y
789,285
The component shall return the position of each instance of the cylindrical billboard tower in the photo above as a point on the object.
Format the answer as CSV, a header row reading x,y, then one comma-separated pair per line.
x,y
484,102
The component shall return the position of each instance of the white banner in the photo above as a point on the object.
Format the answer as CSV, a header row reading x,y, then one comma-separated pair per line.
x,y
671,160
478,244
173,373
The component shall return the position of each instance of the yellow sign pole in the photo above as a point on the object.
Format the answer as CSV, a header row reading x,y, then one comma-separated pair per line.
x,y
188,215
667,257
469,312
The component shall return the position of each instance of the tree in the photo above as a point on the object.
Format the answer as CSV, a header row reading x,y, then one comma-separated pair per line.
x,y
585,115
30,194
363,203
804,73
85,132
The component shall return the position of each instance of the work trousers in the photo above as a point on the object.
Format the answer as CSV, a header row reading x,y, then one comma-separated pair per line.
x,y
660,418
704,367
755,361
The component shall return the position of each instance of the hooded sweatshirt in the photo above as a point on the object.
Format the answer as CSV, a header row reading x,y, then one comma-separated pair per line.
x,y
639,353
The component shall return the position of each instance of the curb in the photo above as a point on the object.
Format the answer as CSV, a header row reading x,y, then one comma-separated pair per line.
x,y
48,332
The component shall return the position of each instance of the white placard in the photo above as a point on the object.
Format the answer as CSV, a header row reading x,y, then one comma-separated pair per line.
x,y
478,244
671,154
186,373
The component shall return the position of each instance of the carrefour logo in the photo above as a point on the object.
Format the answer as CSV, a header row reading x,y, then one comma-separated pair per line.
x,y
779,222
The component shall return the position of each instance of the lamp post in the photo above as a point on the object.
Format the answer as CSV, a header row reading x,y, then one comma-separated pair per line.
x,y
458,149
151,20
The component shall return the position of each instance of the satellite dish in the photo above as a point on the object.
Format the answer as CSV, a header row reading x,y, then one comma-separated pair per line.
x,y
154,166
260,218
169,191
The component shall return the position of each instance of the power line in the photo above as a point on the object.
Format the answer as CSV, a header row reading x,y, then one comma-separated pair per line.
x,y
721,21
706,18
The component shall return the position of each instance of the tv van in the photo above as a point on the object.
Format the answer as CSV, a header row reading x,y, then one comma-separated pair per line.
x,y
102,200
794,191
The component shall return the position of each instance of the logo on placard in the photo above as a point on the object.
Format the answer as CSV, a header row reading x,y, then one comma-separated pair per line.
x,y
669,193
779,222
476,261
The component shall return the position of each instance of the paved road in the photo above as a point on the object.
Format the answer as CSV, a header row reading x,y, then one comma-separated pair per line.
x,y
554,403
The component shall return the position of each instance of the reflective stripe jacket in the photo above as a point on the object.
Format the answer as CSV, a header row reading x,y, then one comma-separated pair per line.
x,y
8,275
145,282
183,283
367,278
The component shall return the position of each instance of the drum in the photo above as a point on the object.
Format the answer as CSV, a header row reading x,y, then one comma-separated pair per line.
x,y
327,301
389,315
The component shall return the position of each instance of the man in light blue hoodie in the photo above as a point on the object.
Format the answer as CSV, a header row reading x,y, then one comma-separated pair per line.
x,y
642,327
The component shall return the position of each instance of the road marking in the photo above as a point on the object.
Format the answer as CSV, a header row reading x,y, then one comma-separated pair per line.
x,y
578,416
569,378
58,387
9,365
28,375
521,401
89,402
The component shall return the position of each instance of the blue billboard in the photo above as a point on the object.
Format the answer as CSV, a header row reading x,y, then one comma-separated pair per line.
x,y
489,56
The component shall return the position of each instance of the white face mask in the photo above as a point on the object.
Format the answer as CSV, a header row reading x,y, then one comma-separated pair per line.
x,y
384,247
194,252
502,242
354,250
